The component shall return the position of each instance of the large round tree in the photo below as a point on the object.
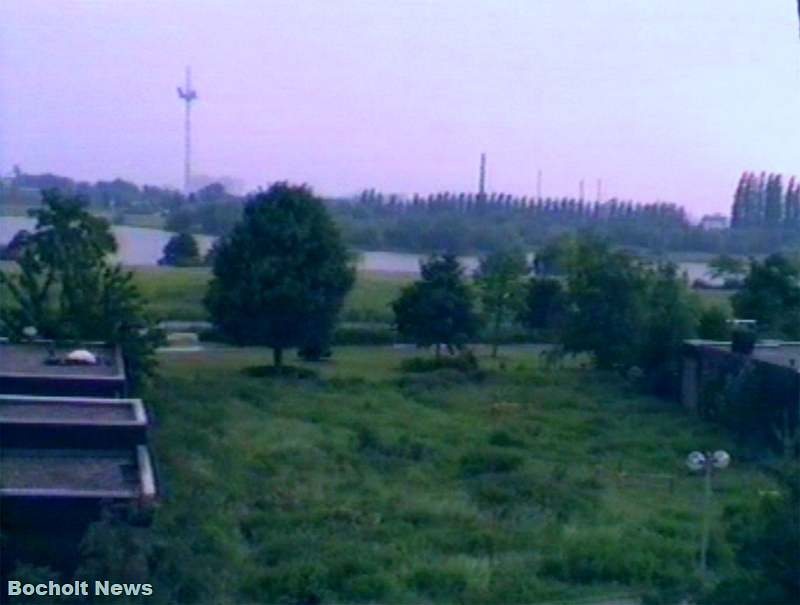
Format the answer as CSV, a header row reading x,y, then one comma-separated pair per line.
x,y
281,276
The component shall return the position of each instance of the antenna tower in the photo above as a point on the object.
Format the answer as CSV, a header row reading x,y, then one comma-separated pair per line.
x,y
187,94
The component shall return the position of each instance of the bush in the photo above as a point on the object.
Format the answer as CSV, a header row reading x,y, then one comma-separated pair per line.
x,y
181,251
713,324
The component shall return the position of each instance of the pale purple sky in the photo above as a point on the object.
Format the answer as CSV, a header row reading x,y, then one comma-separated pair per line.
x,y
663,99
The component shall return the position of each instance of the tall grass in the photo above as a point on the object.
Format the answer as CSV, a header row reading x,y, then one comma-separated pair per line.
x,y
367,484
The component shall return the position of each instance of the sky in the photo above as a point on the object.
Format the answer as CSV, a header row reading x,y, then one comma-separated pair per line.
x,y
661,99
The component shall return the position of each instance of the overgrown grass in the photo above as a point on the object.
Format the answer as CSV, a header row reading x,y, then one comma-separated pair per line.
x,y
520,484
177,293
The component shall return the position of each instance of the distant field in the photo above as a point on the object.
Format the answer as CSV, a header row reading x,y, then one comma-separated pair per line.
x,y
716,297
532,483
177,293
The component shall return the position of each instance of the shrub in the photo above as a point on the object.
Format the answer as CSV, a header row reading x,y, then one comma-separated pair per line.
x,y
713,324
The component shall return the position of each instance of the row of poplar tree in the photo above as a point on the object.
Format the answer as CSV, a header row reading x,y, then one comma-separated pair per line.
x,y
563,208
761,202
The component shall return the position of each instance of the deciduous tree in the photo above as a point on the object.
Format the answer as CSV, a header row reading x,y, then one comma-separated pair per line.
x,y
181,251
770,294
500,280
67,289
281,276
437,309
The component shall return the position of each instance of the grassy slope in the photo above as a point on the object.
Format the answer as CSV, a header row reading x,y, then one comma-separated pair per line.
x,y
178,293
367,485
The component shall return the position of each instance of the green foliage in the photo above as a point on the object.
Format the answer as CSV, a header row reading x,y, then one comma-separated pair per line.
x,y
764,531
634,556
555,257
116,548
280,278
770,294
669,319
460,223
179,220
68,291
606,290
438,308
727,267
630,316
34,574
14,249
544,306
181,251
713,323
499,279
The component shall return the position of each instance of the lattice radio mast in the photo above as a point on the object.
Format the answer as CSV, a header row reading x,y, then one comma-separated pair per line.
x,y
188,95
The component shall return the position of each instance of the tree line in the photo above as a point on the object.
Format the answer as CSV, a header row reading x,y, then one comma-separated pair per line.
x,y
464,222
469,223
761,202
117,194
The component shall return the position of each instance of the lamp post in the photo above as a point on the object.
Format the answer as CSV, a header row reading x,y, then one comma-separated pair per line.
x,y
706,462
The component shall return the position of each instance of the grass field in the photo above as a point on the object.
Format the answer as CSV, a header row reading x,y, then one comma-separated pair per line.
x,y
175,293
526,484
721,298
